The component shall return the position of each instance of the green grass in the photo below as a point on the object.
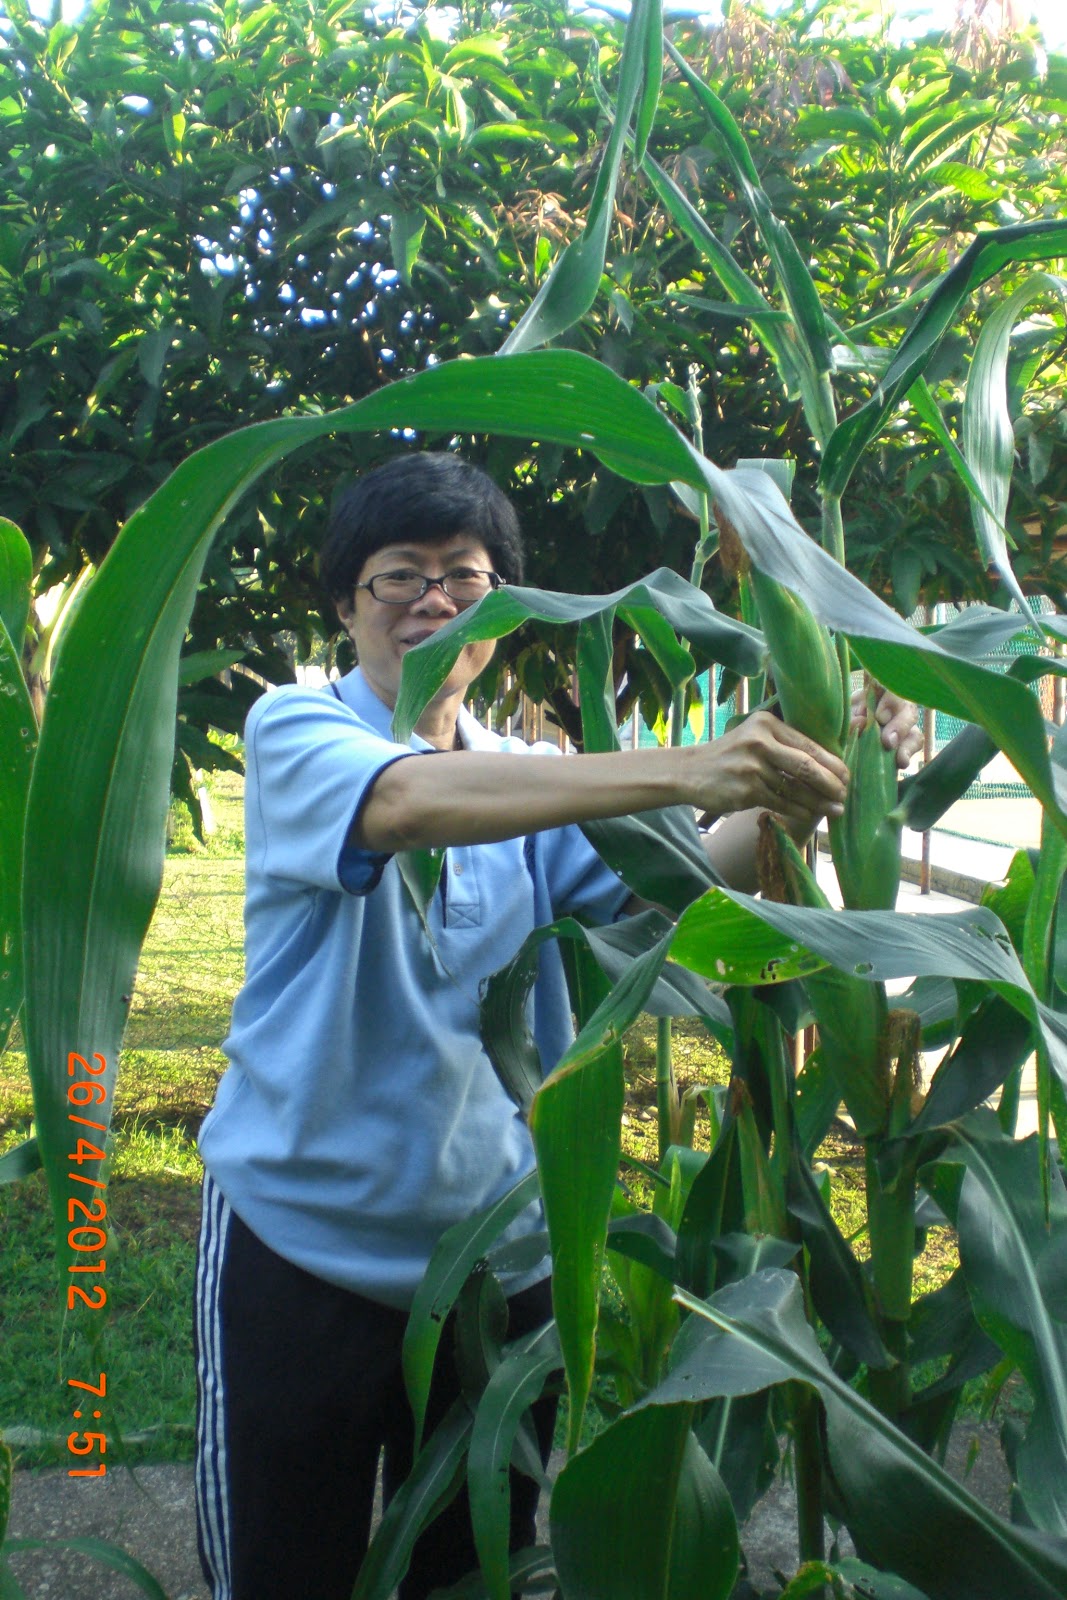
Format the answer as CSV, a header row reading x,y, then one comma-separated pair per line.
x,y
191,968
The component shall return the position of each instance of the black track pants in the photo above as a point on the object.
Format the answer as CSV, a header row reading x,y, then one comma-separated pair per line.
x,y
299,1388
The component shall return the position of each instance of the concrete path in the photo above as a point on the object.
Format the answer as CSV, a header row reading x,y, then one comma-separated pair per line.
x,y
152,1516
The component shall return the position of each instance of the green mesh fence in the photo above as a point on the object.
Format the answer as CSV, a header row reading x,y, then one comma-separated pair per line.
x,y
946,727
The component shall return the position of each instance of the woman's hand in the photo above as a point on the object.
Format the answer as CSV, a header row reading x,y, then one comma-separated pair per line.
x,y
765,763
898,719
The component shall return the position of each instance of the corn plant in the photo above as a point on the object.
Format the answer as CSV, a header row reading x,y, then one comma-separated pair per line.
x,y
868,1051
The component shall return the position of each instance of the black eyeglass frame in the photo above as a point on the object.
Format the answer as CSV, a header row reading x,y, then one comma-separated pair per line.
x,y
495,582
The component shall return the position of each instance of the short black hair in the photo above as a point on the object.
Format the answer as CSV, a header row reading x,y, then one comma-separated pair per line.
x,y
424,498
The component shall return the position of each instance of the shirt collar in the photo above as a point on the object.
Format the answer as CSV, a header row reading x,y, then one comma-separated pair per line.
x,y
359,697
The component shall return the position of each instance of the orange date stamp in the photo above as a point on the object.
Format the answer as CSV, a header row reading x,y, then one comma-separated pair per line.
x,y
87,1216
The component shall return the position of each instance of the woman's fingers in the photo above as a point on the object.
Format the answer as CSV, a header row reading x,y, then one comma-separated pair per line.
x,y
807,764
899,721
897,718
765,763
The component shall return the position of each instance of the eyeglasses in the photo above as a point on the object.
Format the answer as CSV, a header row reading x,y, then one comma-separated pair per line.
x,y
464,585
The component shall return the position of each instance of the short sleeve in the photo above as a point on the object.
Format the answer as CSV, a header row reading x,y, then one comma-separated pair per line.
x,y
579,883
311,766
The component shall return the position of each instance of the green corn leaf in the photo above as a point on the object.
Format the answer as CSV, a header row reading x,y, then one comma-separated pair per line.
x,y
730,311
1014,1259
421,873
926,795
943,1324
596,683
795,281
109,1555
457,1253
532,1572
837,1285
929,411
736,939
899,656
985,256
658,854
575,1122
481,1327
676,992
432,1483
651,75
646,606
817,1101
995,1039
573,283
988,433
20,1161
714,1208
902,1510
18,740
512,1389
798,380
504,1018
646,1239
642,1512
16,579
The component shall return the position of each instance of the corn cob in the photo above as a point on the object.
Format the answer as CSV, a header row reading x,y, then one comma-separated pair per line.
x,y
804,659
852,1013
807,673
865,841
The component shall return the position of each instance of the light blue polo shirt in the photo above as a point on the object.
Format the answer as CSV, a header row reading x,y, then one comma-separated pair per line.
x,y
360,1116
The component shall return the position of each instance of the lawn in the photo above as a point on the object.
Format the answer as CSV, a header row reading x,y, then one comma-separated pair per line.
x,y
190,970
171,1062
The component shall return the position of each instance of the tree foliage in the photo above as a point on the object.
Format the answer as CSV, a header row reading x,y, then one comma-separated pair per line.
x,y
214,213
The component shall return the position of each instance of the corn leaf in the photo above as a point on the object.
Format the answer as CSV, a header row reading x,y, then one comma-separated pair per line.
x,y
736,939
994,1040
596,683
575,1122
16,578
18,740
650,18
458,1251
899,656
109,1555
838,1290
572,285
432,1483
794,279
796,376
988,433
902,1510
1014,1259
512,1389
662,597
20,1161
987,255
504,1022
642,1512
